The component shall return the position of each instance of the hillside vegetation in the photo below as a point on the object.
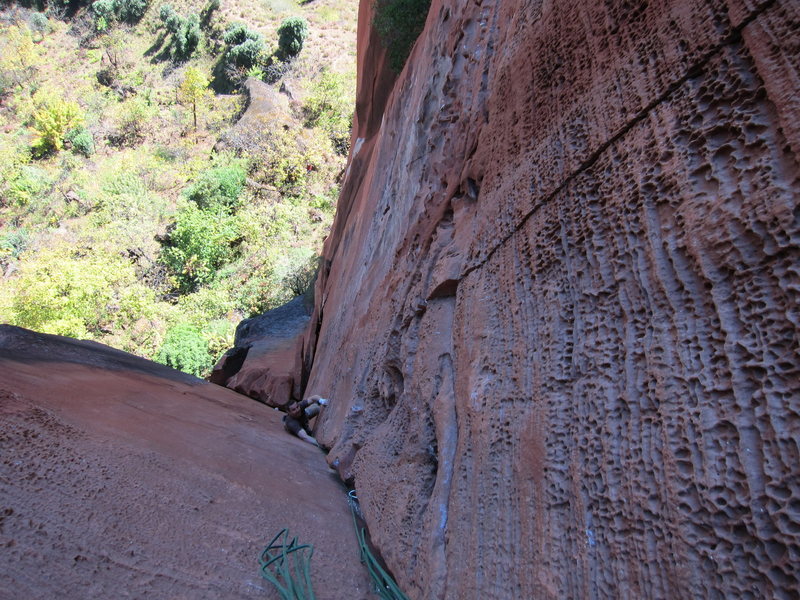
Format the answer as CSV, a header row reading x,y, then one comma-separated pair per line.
x,y
132,211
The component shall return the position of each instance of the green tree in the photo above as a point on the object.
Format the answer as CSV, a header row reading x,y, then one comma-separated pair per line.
x,y
130,11
188,37
79,292
246,47
291,35
185,32
185,349
192,90
199,244
238,33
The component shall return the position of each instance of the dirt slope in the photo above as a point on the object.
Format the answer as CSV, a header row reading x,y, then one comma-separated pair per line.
x,y
122,478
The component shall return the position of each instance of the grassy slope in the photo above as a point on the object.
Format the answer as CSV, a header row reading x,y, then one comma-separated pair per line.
x,y
78,235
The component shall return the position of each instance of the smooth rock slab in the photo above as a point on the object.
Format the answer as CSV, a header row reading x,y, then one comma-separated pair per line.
x,y
123,478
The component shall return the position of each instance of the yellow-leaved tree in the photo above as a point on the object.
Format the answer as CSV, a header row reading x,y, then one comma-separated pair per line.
x,y
192,90
53,117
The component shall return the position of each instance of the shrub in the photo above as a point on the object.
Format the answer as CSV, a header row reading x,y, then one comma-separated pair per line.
x,y
185,349
238,33
39,23
246,54
19,58
246,49
199,243
27,184
71,291
108,11
131,121
187,38
103,13
185,32
399,23
130,11
13,243
329,106
218,188
291,35
81,141
172,20
52,119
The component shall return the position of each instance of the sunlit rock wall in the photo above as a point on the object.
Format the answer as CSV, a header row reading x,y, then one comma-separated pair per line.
x,y
559,318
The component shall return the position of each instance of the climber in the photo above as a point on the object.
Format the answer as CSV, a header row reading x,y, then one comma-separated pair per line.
x,y
298,414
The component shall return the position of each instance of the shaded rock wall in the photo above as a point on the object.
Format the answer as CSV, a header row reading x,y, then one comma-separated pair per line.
x,y
559,320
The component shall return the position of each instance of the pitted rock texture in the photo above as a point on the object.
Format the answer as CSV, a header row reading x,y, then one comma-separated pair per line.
x,y
120,478
560,312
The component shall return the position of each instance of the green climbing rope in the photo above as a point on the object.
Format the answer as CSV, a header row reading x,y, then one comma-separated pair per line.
x,y
385,585
287,565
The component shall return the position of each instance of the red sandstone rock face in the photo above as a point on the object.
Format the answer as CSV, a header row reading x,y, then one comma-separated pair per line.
x,y
120,478
559,326
266,361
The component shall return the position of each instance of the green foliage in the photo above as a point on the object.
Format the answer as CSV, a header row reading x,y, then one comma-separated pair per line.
x,y
185,32
27,184
257,72
187,38
19,58
39,23
81,141
132,117
238,33
291,35
192,90
185,349
246,47
399,23
130,11
74,291
103,13
107,12
220,336
290,158
12,244
52,119
152,232
218,189
246,54
171,20
199,244
329,106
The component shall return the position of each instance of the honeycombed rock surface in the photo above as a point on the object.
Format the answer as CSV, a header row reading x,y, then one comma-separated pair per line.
x,y
121,478
559,318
